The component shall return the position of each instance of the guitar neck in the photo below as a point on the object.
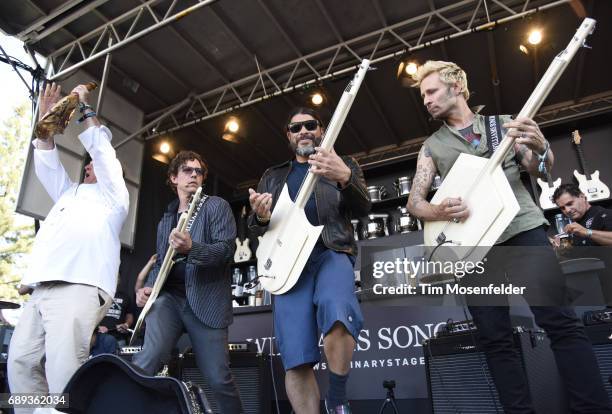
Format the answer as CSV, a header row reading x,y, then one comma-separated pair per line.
x,y
543,88
582,161
333,130
549,179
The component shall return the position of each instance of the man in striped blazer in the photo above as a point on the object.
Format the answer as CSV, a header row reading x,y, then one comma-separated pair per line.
x,y
197,294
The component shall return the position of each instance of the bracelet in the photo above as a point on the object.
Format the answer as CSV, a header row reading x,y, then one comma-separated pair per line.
x,y
542,158
83,107
87,115
261,220
589,233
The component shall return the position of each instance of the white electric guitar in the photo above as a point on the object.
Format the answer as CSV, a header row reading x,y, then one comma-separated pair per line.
x,y
589,184
286,246
243,252
482,184
548,188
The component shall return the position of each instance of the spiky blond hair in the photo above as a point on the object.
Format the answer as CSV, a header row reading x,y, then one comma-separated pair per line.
x,y
450,73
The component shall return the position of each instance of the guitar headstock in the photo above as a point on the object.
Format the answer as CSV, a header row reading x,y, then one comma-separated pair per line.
x,y
576,137
195,199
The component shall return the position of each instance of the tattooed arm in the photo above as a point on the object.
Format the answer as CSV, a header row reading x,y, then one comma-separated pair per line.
x,y
418,206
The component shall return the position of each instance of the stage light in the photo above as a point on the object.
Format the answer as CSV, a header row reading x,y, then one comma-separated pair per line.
x,y
535,37
232,125
411,69
316,99
230,137
164,147
524,49
161,158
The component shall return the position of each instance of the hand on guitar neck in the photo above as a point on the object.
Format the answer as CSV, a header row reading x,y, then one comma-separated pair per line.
x,y
181,241
142,296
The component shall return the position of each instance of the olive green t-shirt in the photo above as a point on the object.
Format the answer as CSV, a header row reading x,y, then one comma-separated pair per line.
x,y
447,143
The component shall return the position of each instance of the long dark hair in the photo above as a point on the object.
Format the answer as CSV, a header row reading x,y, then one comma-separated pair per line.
x,y
303,110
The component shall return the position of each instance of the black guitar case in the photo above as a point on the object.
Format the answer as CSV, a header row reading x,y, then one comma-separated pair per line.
x,y
108,384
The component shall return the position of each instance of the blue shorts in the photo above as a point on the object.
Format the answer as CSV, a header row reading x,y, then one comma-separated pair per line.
x,y
323,295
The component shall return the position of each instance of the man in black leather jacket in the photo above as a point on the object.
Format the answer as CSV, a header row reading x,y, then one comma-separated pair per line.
x,y
323,300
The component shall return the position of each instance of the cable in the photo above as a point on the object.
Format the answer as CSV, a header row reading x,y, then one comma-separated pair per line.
x,y
272,361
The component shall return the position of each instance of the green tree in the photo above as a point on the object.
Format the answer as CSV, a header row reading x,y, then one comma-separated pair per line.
x,y
16,231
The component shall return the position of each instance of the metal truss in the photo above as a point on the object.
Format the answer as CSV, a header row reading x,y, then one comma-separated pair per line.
x,y
86,48
550,115
569,111
392,41
305,71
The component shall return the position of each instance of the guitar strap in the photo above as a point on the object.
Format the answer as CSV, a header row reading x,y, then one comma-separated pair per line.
x,y
494,133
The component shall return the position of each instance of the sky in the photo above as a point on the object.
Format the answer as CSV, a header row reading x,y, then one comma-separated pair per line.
x,y
13,89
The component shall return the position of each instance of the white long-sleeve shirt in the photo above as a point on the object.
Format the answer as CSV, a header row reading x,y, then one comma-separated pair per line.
x,y
79,240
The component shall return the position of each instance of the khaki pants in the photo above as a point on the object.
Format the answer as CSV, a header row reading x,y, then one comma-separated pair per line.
x,y
52,338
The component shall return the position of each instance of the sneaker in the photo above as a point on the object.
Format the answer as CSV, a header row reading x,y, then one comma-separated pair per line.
x,y
340,409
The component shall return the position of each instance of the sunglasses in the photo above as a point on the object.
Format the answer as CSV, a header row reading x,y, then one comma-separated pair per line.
x,y
190,170
310,125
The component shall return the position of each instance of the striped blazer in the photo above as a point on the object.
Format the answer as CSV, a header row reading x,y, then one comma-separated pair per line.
x,y
207,276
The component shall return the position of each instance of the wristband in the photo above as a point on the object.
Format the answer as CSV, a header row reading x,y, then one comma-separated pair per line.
x,y
87,115
589,233
261,221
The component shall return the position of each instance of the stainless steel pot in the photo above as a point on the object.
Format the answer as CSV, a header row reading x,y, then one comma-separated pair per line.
x,y
402,185
376,192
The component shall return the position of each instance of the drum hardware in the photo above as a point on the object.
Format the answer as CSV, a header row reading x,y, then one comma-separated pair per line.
x,y
355,224
376,192
377,226
402,185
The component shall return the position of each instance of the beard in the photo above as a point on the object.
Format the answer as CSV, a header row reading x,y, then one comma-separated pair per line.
x,y
305,150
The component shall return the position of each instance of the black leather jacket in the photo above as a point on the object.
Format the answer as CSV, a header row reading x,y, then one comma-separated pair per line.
x,y
335,206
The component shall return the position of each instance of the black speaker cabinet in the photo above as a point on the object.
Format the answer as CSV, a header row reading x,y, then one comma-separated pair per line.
x,y
459,380
601,337
251,372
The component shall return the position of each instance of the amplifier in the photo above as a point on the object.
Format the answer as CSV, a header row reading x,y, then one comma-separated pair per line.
x,y
601,337
459,380
251,372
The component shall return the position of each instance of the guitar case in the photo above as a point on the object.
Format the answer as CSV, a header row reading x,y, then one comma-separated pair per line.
x,y
108,384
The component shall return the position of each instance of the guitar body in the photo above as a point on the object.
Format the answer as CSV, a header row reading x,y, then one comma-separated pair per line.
x,y
492,207
286,246
546,201
594,189
243,252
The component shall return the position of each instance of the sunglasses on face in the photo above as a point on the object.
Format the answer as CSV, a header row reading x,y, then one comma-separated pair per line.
x,y
310,125
190,170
